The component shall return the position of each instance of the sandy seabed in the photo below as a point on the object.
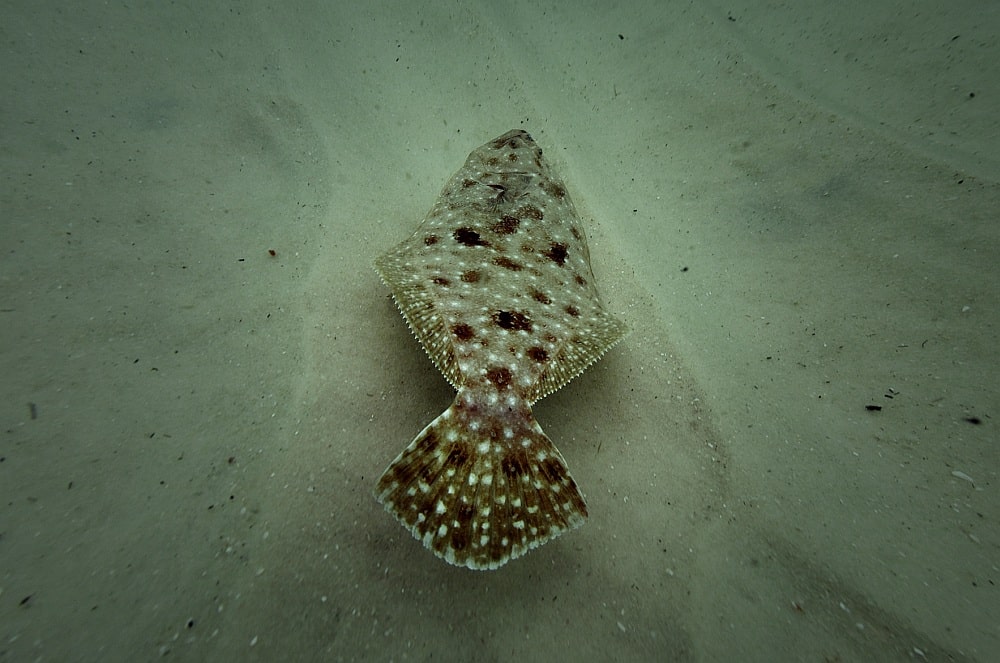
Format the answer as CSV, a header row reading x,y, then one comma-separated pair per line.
x,y
793,455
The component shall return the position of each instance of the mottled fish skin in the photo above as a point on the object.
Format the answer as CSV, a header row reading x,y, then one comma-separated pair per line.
x,y
496,284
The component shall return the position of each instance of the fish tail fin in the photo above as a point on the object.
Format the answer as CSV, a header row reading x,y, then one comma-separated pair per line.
x,y
482,485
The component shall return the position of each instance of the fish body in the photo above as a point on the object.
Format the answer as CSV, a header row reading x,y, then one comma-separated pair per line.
x,y
496,284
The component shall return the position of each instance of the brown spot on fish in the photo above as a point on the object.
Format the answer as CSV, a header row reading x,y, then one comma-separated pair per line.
x,y
463,332
512,320
529,212
538,354
539,296
468,237
458,456
513,465
555,190
507,225
499,376
507,263
557,253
